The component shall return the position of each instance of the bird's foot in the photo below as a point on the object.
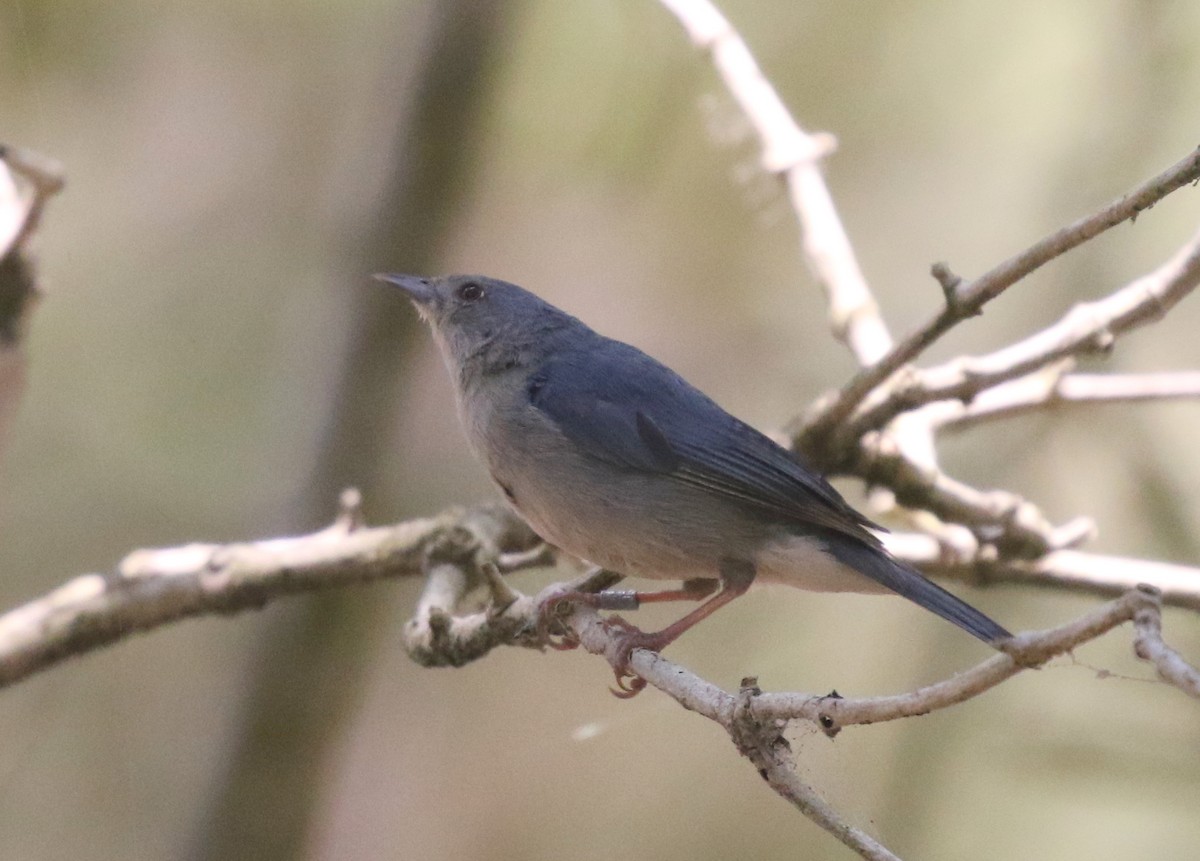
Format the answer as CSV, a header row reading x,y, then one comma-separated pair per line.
x,y
554,607
626,637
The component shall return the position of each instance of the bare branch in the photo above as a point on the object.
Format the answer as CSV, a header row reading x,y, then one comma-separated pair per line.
x,y
1013,524
1100,574
794,154
756,721
1149,646
1026,650
763,743
154,587
1051,388
458,552
1087,328
971,298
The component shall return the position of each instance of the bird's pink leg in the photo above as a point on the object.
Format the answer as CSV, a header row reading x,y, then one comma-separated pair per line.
x,y
616,599
736,577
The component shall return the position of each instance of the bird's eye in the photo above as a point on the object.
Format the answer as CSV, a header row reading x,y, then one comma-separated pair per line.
x,y
470,292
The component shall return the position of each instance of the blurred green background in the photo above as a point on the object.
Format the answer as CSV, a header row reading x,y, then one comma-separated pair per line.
x,y
211,362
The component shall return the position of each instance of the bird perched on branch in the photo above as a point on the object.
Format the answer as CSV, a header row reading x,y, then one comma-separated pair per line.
x,y
615,458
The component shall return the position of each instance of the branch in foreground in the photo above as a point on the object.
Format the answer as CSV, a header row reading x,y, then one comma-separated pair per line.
x,y
763,743
154,587
755,721
458,550
461,550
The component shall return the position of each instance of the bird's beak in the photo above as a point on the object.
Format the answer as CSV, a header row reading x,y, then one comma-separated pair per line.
x,y
418,289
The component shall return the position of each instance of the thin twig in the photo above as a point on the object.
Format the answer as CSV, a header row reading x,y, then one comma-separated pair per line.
x,y
1049,388
1170,665
1025,651
794,154
763,743
755,721
154,587
971,298
1087,327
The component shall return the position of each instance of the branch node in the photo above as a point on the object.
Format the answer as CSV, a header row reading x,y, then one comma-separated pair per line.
x,y
1149,590
216,573
503,596
438,621
543,555
787,153
349,516
757,740
1103,341
1073,533
1028,649
950,284
828,724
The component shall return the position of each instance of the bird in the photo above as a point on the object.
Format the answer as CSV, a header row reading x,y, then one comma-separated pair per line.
x,y
613,457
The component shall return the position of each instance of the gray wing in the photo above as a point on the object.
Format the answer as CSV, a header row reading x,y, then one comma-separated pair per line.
x,y
619,405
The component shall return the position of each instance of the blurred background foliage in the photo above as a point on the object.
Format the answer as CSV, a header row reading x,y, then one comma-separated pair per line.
x,y
210,362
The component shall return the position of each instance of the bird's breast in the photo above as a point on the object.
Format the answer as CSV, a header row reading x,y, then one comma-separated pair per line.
x,y
639,523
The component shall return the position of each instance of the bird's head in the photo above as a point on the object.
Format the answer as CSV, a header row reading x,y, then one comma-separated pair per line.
x,y
479,320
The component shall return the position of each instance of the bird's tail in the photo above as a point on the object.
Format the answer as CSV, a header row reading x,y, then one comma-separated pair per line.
x,y
914,586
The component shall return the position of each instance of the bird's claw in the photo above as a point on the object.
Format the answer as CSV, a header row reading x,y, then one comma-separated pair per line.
x,y
626,638
628,685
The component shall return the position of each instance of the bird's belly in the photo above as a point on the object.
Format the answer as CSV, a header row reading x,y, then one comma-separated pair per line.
x,y
662,542
624,520
639,524
804,563
626,531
